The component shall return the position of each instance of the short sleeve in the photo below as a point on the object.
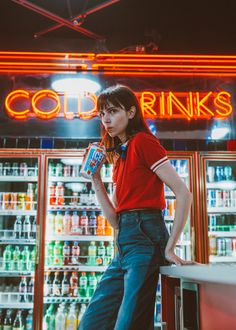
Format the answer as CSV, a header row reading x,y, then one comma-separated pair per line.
x,y
150,151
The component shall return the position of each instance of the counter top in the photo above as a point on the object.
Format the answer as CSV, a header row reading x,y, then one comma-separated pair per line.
x,y
215,273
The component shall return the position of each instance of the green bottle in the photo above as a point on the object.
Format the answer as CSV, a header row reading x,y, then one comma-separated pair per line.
x,y
92,254
83,283
92,280
7,258
101,254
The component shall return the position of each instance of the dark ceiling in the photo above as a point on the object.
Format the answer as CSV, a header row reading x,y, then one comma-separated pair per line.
x,y
166,26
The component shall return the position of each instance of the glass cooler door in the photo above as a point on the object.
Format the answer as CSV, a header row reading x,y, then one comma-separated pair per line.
x,y
79,242
18,255
220,212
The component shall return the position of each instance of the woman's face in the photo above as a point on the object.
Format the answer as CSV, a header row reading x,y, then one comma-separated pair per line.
x,y
115,120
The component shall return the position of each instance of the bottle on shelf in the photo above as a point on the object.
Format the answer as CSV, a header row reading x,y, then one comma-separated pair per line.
x,y
59,169
47,289
17,231
16,259
74,284
34,228
56,285
23,289
49,253
60,319
29,199
67,223
109,252
29,320
84,195
84,223
108,229
75,253
25,257
101,224
92,284
65,285
49,319
27,227
52,194
83,283
75,223
32,261
92,254
71,322
50,224
59,223
1,319
101,253
59,192
92,223
57,253
30,289
81,312
7,323
7,258
66,253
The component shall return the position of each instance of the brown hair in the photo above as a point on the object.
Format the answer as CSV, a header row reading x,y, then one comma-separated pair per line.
x,y
121,96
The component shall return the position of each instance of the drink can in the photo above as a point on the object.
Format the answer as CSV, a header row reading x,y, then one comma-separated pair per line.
x,y
219,198
221,246
67,170
92,159
14,201
228,246
228,172
15,169
211,173
211,196
212,222
21,201
23,169
212,245
226,198
6,200
1,169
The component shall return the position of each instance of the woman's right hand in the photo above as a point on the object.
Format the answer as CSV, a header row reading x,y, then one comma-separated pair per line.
x,y
174,259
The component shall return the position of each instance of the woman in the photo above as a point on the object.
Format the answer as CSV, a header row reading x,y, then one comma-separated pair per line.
x,y
125,296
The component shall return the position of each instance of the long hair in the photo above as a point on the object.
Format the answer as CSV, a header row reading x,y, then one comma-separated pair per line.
x,y
121,96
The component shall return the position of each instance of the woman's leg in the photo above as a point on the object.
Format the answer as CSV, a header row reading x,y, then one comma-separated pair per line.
x,y
103,308
137,308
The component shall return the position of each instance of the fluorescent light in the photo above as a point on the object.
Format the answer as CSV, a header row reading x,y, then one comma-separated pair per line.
x,y
75,86
219,132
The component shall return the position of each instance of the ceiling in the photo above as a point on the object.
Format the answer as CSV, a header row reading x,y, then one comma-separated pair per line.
x,y
166,26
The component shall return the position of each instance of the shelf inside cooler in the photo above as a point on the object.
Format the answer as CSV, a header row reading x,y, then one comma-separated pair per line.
x,y
222,258
79,268
74,208
79,238
12,178
56,300
18,212
225,185
221,209
222,233
8,273
73,179
17,305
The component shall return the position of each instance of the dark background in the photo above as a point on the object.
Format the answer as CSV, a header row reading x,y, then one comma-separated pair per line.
x,y
163,26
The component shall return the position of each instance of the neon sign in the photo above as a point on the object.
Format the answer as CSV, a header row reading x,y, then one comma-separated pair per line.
x,y
21,105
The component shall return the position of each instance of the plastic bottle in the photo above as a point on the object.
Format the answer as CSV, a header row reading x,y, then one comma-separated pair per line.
x,y
60,319
49,319
52,194
92,254
29,199
25,256
92,223
59,223
7,323
1,319
75,223
75,252
65,285
16,259
67,223
74,284
109,252
32,260
60,200
18,322
92,284
7,258
31,289
84,223
47,289
71,322
84,195
23,289
66,253
34,228
101,224
109,229
81,313
56,285
91,197
49,253
101,253
27,227
29,320
57,253
17,227
83,283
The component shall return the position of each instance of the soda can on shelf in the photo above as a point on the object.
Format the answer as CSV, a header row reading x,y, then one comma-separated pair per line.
x,y
67,170
228,246
75,171
7,169
5,200
59,169
212,245
21,201
219,198
15,169
211,197
228,172
92,159
234,246
1,169
210,173
212,222
14,201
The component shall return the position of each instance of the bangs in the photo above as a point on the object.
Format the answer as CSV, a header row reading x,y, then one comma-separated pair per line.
x,y
107,99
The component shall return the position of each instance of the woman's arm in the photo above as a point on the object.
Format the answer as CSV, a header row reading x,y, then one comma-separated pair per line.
x,y
106,205
183,203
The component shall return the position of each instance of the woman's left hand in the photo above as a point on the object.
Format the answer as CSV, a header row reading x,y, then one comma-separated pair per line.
x,y
174,259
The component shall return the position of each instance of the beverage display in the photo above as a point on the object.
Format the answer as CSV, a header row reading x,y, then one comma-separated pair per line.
x,y
94,156
220,180
18,255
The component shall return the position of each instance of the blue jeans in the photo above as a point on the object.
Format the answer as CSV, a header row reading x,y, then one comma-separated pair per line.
x,y
125,296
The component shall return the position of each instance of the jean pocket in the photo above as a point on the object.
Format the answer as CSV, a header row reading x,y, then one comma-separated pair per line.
x,y
153,230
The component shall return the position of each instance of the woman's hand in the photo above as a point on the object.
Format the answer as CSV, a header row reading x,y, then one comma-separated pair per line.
x,y
97,174
174,259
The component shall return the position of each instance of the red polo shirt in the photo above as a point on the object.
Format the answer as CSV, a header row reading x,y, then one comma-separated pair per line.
x,y
137,186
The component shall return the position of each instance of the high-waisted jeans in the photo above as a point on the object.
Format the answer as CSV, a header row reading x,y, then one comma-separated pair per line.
x,y
125,296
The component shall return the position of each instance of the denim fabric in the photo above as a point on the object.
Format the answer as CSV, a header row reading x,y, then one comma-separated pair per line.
x,y
125,296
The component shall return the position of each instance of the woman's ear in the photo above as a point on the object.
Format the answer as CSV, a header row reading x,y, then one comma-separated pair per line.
x,y
132,112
